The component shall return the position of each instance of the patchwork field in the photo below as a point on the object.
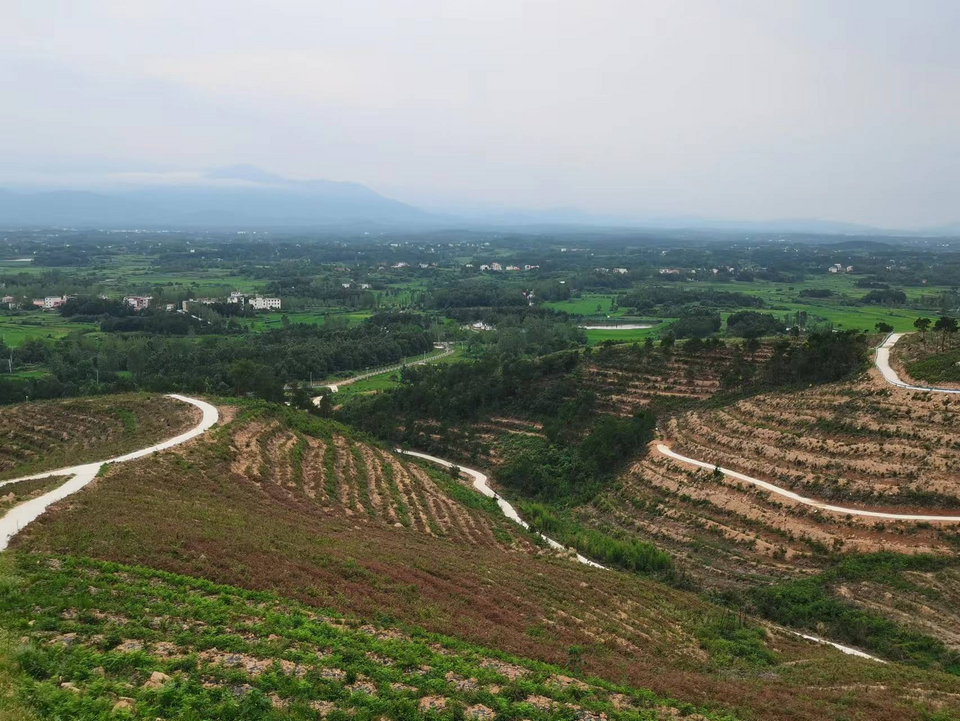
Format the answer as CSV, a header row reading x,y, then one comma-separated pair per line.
x,y
45,435
15,329
272,500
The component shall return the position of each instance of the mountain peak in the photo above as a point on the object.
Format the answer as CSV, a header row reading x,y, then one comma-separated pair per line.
x,y
245,171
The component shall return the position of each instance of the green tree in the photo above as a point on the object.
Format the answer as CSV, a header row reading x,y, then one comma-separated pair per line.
x,y
945,325
922,325
884,327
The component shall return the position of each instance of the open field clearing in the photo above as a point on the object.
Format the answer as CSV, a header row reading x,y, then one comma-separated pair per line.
x,y
598,305
46,435
14,330
598,335
274,500
264,321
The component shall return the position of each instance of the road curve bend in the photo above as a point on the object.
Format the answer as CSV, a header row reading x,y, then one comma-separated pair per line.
x,y
79,476
335,387
480,483
882,360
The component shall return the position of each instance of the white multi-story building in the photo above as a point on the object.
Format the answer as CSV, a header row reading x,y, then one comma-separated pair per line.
x,y
259,303
236,297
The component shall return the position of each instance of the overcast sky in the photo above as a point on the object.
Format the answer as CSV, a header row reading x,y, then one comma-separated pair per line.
x,y
838,109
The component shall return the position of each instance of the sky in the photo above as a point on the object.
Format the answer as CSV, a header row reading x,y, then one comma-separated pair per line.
x,y
846,110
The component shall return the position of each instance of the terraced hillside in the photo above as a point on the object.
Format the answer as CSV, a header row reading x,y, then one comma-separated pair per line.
x,y
105,638
865,444
273,500
44,435
626,378
356,480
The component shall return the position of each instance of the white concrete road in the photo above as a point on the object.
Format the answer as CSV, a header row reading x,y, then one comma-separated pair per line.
x,y
79,476
882,361
335,387
480,483
890,375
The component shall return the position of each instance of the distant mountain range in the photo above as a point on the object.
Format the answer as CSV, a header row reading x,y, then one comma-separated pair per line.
x,y
241,196
244,196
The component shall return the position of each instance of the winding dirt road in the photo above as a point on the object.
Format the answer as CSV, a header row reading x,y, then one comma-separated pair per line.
x,y
882,360
79,476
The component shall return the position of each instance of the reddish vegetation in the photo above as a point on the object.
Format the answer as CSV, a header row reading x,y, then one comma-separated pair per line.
x,y
262,506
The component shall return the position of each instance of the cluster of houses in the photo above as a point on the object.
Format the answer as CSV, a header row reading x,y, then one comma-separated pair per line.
x,y
404,264
679,271
51,302
620,271
361,286
142,302
497,268
839,268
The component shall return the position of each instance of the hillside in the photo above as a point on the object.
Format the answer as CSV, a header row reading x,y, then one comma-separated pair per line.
x,y
108,638
45,435
918,359
275,501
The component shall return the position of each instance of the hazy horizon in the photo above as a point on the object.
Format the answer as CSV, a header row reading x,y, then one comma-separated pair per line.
x,y
736,110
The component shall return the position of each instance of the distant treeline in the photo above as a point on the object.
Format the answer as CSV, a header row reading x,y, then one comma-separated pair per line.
x,y
257,363
668,301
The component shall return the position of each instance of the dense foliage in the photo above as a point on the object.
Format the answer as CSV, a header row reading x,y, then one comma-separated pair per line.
x,y
809,603
748,323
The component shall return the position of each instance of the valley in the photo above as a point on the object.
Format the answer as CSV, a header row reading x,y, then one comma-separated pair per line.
x,y
505,509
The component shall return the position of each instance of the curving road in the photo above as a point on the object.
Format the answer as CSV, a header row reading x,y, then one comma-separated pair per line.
x,y
882,361
890,375
79,476
480,483
335,387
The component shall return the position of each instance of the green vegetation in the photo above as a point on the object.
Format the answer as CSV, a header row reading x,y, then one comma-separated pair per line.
x,y
103,637
809,604
628,554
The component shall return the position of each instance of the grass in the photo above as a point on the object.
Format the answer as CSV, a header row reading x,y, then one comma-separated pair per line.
x,y
12,706
15,329
390,379
265,321
98,632
597,305
625,336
